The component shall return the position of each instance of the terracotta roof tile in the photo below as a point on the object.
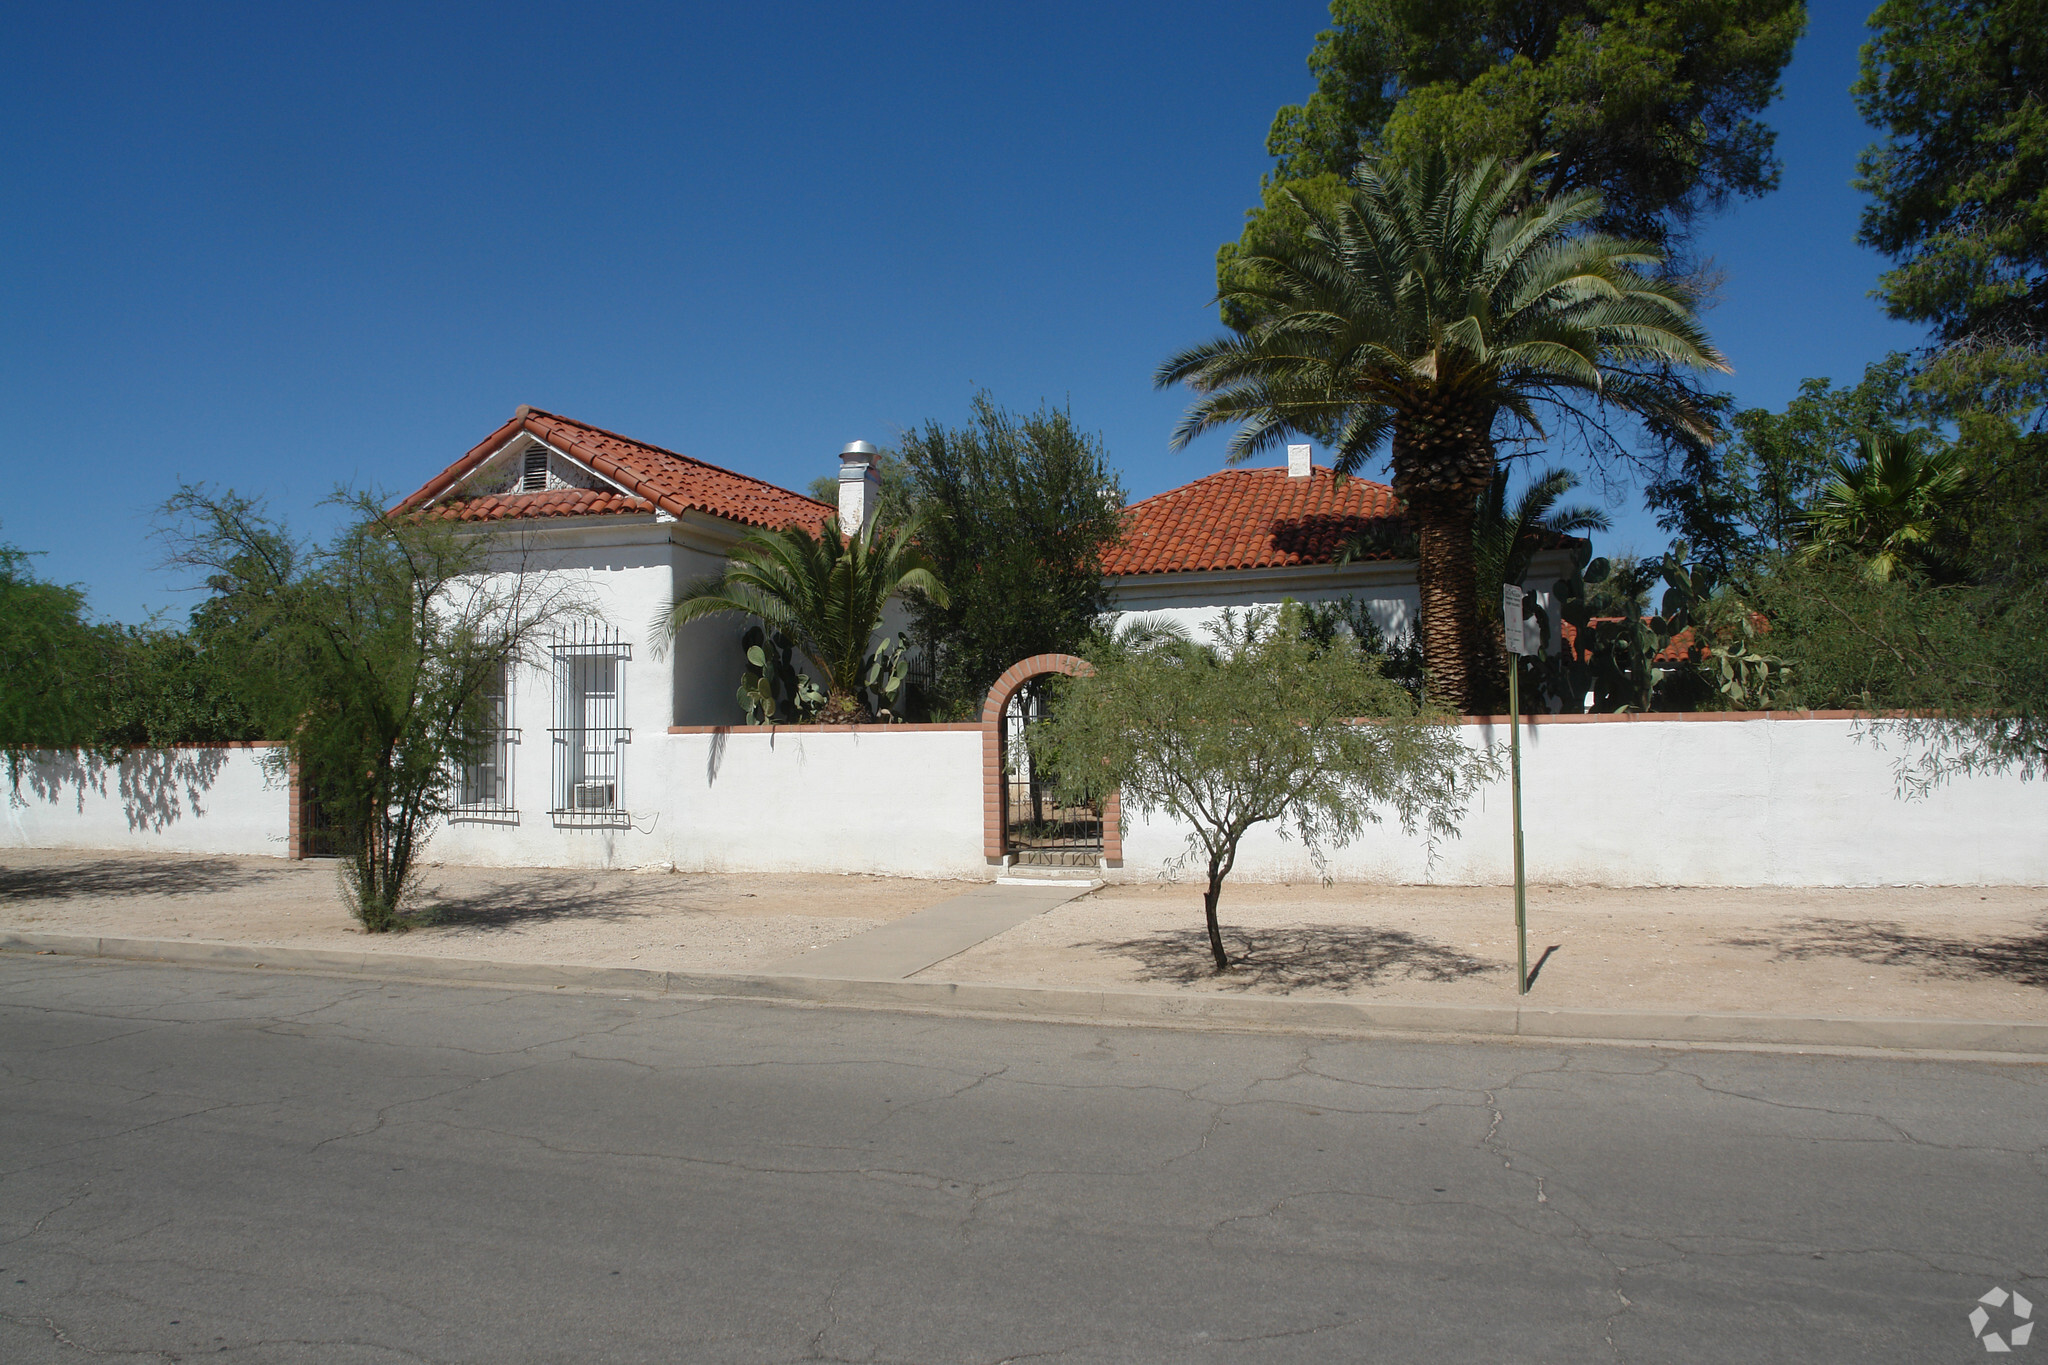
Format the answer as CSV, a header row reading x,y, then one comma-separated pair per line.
x,y
1249,519
655,479
556,502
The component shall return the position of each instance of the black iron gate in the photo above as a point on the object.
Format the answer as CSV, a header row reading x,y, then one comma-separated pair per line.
x,y
1038,826
318,837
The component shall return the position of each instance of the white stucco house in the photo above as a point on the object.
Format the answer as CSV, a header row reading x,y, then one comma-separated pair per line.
x,y
634,522
615,753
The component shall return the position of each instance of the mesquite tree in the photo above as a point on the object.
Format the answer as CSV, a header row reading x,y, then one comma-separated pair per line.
x,y
372,657
1264,723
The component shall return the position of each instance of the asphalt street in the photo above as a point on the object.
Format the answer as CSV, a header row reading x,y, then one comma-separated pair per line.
x,y
253,1166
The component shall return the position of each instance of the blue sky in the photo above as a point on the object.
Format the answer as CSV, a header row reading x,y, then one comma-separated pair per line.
x,y
281,247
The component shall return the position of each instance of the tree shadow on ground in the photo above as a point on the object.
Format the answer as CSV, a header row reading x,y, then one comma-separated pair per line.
x,y
1295,957
115,877
2021,958
541,900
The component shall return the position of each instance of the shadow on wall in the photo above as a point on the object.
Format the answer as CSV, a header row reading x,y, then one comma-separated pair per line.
x,y
156,787
113,877
2023,958
1327,955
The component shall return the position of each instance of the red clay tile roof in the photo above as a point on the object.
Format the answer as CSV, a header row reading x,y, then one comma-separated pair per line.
x,y
654,478
1249,519
556,502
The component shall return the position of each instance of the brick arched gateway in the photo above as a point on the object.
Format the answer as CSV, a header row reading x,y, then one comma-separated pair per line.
x,y
1014,677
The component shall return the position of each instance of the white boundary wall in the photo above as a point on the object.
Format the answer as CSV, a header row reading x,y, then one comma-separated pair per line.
x,y
189,800
905,803
1688,802
1698,802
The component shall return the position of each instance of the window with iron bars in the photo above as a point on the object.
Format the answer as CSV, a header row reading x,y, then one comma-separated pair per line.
x,y
485,787
590,726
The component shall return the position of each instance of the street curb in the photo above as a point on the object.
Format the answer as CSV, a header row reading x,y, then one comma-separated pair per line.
x,y
2012,1040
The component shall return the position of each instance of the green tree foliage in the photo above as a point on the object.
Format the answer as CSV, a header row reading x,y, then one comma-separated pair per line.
x,y
1959,197
1019,512
1959,186
372,658
1264,725
49,664
1653,104
1888,503
1955,674
826,593
169,687
68,683
1426,308
1746,499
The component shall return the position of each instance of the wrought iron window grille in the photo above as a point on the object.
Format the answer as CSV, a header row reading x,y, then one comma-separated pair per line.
x,y
589,667
484,782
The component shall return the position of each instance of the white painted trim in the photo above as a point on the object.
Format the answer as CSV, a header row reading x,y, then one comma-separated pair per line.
x,y
549,446
1130,589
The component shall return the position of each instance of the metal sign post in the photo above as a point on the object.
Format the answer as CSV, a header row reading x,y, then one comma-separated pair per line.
x,y
1517,643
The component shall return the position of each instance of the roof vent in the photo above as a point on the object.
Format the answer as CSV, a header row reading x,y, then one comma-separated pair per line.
x,y
535,477
1298,462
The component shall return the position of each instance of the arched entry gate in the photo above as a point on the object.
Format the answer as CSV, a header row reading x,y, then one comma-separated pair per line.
x,y
1022,821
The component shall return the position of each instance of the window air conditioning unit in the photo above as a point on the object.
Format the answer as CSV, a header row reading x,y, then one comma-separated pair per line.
x,y
594,795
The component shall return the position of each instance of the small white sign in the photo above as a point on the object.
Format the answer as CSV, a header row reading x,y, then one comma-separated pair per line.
x,y
1511,620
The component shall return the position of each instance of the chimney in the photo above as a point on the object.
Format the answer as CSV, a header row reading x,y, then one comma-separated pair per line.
x,y
860,488
1299,466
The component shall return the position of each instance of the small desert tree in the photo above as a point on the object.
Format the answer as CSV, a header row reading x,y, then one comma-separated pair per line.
x,y
372,657
1264,724
47,665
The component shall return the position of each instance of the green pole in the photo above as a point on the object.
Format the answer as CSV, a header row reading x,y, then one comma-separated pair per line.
x,y
1515,783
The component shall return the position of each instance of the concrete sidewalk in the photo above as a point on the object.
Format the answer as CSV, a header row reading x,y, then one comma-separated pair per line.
x,y
1984,1039
909,945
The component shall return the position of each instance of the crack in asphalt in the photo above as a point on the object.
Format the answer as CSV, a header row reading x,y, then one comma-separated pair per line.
x,y
1284,1082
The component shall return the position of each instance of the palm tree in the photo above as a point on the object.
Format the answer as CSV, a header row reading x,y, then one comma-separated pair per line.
x,y
1886,503
1416,313
826,593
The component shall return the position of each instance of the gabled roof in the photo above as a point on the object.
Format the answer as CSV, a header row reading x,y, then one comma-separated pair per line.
x,y
653,479
1250,519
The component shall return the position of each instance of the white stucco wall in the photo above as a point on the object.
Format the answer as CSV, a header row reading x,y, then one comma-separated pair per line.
x,y
191,800
1689,802
1700,802
905,802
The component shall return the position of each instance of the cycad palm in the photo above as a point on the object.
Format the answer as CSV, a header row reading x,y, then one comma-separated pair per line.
x,y
1886,504
1423,307
825,592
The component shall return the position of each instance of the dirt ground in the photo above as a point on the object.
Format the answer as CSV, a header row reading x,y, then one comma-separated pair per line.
x,y
1939,952
1954,953
668,921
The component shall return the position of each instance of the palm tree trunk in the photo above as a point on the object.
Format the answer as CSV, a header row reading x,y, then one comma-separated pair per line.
x,y
1443,460
1444,573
